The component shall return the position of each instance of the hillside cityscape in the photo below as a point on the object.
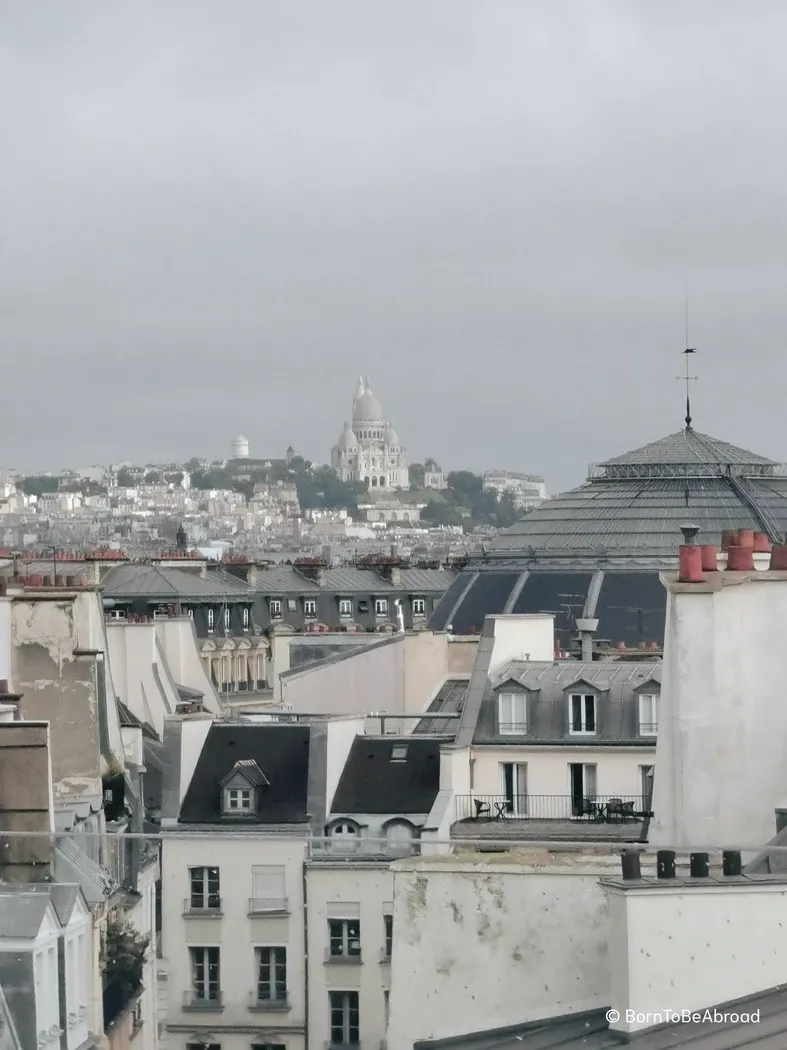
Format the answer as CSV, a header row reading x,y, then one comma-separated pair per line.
x,y
362,498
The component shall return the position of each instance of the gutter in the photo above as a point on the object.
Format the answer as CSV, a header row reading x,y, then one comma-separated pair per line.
x,y
305,957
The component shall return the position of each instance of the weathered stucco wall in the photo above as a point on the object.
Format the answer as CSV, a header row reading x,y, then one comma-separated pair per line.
x,y
60,688
482,944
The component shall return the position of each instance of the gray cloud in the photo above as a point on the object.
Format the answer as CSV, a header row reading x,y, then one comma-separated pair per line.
x,y
215,216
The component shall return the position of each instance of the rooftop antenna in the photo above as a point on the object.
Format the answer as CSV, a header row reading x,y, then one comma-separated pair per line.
x,y
687,378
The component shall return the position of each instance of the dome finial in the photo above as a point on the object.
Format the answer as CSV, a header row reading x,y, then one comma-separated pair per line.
x,y
360,389
688,378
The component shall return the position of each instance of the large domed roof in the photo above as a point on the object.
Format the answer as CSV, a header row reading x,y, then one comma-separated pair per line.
x,y
596,551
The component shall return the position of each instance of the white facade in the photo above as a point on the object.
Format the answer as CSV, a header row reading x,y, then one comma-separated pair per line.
x,y
722,747
218,897
240,447
369,449
77,953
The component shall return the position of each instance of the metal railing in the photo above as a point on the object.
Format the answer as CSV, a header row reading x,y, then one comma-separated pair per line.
x,y
616,808
268,906
193,1000
360,848
202,908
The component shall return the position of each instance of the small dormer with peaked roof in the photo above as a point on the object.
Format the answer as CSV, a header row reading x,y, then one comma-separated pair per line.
x,y
240,788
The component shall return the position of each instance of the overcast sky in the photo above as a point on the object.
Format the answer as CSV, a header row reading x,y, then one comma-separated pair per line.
x,y
214,216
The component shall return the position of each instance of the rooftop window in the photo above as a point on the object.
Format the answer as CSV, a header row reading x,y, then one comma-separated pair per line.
x,y
399,753
512,714
582,714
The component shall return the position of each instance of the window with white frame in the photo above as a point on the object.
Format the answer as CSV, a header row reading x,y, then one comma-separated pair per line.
x,y
271,975
512,713
246,617
419,607
239,800
211,616
205,974
344,835
380,606
274,606
345,607
227,617
582,713
345,1027
309,607
204,889
268,892
648,714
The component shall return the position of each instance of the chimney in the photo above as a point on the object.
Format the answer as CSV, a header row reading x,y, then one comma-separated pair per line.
x,y
395,575
587,627
690,556
251,574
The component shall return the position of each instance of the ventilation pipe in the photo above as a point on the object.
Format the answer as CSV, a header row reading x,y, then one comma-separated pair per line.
x,y
587,627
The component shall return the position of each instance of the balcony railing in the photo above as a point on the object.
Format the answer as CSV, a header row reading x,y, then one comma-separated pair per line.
x,y
358,847
612,809
193,1000
268,906
268,1005
202,907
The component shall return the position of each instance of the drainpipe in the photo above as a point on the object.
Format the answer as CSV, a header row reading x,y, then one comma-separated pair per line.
x,y
587,628
305,953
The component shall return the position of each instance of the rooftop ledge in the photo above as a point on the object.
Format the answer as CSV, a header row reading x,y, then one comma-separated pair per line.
x,y
717,581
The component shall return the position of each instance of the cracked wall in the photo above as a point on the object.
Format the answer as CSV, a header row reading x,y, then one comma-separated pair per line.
x,y
60,688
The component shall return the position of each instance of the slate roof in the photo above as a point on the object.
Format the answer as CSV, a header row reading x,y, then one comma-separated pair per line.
x,y
63,896
21,913
371,782
280,751
155,582
450,699
249,769
590,1031
689,446
615,683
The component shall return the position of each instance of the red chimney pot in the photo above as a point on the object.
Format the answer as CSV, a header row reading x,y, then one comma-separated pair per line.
x,y
690,570
762,544
728,538
779,557
746,539
709,555
740,559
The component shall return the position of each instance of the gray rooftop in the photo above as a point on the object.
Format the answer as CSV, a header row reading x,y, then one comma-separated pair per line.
x,y
21,912
615,683
450,699
152,581
688,447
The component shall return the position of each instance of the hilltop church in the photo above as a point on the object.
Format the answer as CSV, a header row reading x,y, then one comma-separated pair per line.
x,y
368,449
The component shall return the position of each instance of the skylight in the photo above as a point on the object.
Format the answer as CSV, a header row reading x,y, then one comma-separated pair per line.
x,y
399,753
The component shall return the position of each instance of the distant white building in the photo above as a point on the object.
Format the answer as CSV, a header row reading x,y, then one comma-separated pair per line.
x,y
526,490
369,449
240,447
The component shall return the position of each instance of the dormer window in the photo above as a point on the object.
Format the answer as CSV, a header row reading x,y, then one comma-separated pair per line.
x,y
310,607
582,714
380,606
241,788
239,800
211,621
512,714
419,607
648,714
246,617
345,608
227,617
274,606
399,753
344,835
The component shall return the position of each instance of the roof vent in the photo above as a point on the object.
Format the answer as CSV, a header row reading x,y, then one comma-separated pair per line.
x,y
665,864
698,865
731,863
630,865
689,534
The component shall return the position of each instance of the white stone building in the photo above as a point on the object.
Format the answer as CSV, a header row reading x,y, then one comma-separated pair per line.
x,y
369,449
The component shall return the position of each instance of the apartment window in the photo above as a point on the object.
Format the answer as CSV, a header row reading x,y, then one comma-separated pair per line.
x,y
239,800
363,606
211,619
292,605
275,607
388,923
344,1018
309,607
513,777
205,970
246,618
582,713
189,612
204,888
512,713
268,891
116,614
380,606
271,975
419,607
344,835
582,782
648,714
227,617
344,938
345,607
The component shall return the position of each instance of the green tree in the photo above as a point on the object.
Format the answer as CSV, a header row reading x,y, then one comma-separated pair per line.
x,y
193,464
124,954
417,475
37,485
153,477
125,478
216,478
